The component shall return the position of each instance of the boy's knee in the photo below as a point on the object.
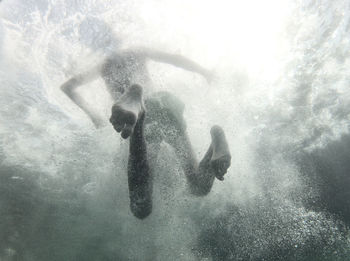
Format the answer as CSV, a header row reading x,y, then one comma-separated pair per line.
x,y
141,212
198,190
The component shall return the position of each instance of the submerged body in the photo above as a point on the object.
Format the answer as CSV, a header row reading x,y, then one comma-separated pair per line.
x,y
119,71
149,122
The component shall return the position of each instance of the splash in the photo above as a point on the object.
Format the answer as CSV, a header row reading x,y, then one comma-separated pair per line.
x,y
280,94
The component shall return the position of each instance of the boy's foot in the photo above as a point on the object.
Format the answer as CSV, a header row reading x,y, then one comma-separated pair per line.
x,y
221,157
126,112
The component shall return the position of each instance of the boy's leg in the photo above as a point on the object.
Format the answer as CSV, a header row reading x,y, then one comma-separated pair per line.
x,y
128,116
214,164
139,174
217,158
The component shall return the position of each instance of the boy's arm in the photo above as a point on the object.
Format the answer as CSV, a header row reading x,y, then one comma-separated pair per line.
x,y
178,61
70,86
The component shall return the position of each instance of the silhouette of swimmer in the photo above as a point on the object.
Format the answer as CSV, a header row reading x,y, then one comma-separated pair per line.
x,y
147,122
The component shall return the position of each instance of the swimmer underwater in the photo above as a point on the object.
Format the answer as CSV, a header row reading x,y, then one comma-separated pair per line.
x,y
147,119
